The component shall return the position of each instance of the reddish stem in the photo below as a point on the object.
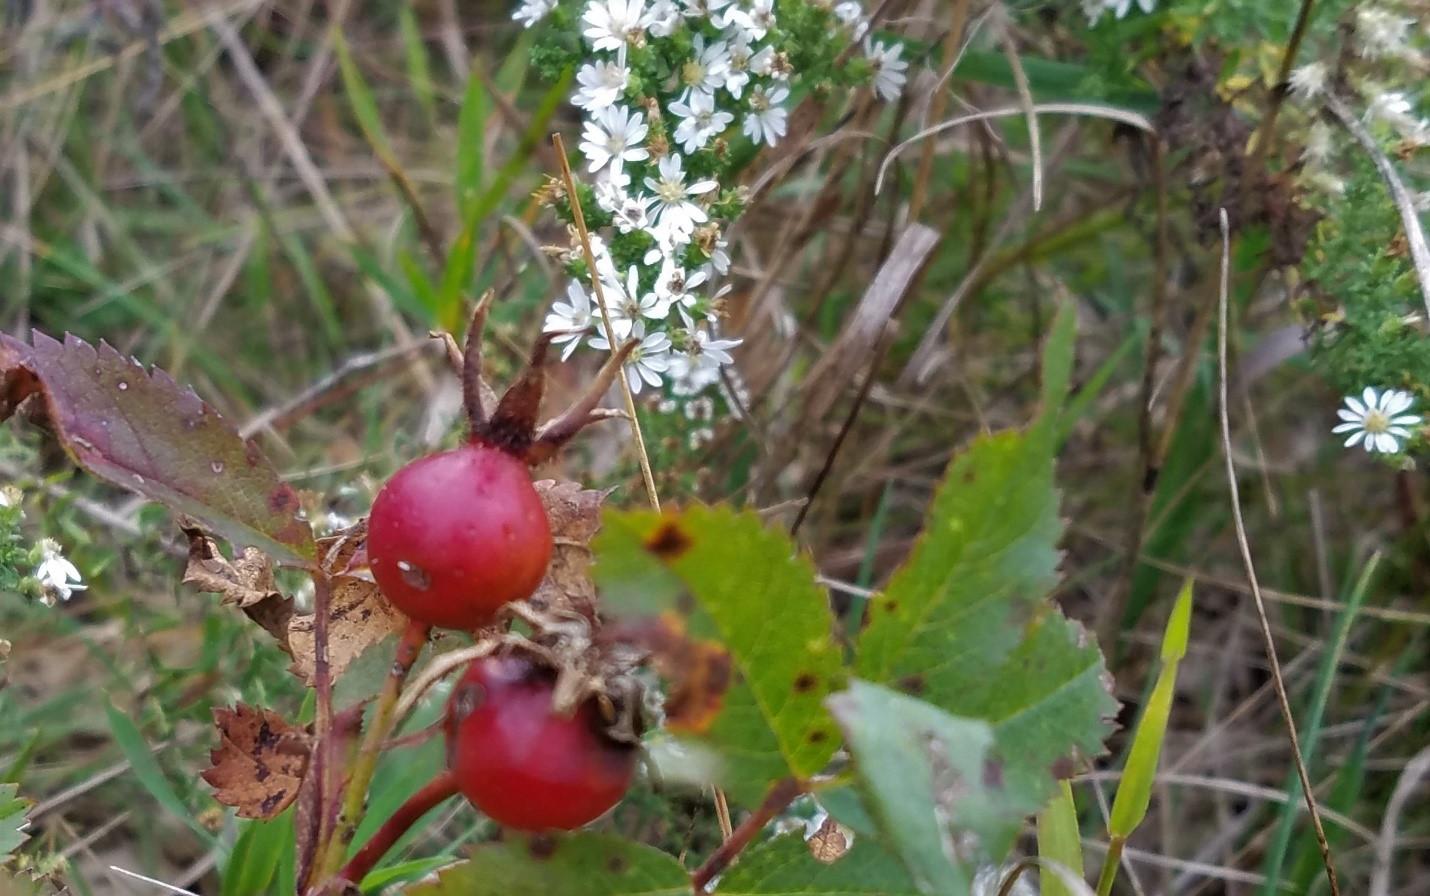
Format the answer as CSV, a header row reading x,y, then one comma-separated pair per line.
x,y
323,685
780,795
417,805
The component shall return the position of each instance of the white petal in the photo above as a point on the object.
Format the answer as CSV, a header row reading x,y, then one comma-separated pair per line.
x,y
1345,414
1356,437
1386,442
1371,399
1406,420
1356,407
1347,427
1395,401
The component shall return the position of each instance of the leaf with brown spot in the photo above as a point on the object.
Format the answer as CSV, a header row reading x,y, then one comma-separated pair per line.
x,y
829,843
699,672
575,517
260,762
361,617
142,431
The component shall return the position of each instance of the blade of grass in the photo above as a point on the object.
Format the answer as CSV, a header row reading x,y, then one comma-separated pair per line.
x,y
146,769
1059,841
1315,715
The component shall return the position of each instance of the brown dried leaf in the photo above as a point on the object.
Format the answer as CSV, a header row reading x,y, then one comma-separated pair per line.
x,y
575,516
360,618
829,843
242,582
345,551
699,672
260,762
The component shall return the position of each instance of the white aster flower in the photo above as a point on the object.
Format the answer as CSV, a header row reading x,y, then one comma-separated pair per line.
x,y
648,361
630,307
663,18
767,119
761,18
633,213
851,14
705,71
889,69
532,11
674,199
677,288
1380,32
601,83
613,137
700,121
737,68
765,63
713,10
1378,419
614,24
56,575
575,315
1094,9
611,188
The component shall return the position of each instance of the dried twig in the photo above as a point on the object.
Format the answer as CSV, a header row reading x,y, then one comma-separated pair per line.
x,y
1417,768
1306,789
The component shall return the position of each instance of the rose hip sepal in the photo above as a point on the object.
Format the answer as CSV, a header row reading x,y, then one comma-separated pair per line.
x,y
523,764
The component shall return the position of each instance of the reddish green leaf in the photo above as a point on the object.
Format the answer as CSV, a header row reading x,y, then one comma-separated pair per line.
x,y
141,430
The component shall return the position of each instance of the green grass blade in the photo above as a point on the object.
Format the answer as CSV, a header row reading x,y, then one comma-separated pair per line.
x,y
147,771
361,99
257,855
1059,841
1311,727
471,149
1135,790
419,68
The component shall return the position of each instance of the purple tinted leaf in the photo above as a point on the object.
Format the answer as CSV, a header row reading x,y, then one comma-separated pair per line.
x,y
139,429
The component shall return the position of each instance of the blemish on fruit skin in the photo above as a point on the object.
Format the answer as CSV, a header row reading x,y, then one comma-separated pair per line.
x,y
668,541
415,576
123,386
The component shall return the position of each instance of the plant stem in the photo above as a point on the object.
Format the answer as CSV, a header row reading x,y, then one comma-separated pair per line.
x,y
780,795
1264,136
323,721
417,805
408,649
1109,866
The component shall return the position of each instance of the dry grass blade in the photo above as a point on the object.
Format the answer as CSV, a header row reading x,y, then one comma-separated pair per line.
x,y
1025,96
1415,769
1245,547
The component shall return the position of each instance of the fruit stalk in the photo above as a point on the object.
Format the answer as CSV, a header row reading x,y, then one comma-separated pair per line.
x,y
414,637
408,814
780,795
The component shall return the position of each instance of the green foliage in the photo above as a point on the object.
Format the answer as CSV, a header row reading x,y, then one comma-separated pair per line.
x,y
739,574
594,864
1366,302
12,821
1059,841
783,867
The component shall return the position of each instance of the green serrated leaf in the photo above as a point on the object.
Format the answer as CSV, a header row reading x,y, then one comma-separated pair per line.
x,y
140,430
783,867
12,821
1050,705
590,864
986,559
755,593
917,764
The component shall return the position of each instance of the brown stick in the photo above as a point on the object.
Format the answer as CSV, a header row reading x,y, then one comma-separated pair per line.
x,y
781,794
408,814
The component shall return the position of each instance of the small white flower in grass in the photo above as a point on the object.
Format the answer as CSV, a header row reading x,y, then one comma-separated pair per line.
x,y
613,137
575,314
766,64
767,119
611,188
1381,33
629,307
1377,419
677,288
889,69
852,15
713,10
700,121
601,83
663,17
761,18
532,11
633,213
675,207
614,24
56,575
705,71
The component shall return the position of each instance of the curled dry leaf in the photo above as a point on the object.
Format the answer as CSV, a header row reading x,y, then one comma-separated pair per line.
x,y
345,551
699,672
575,516
361,617
829,842
260,762
246,582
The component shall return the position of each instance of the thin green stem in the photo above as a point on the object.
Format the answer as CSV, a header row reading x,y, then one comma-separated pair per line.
x,y
1109,866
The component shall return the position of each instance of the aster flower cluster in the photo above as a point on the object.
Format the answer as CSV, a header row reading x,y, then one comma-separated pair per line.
x,y
676,97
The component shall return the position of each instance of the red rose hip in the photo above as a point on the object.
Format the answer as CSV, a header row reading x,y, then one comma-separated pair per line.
x,y
454,536
519,762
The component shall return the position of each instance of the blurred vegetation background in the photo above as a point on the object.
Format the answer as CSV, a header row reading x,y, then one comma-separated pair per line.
x,y
195,184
